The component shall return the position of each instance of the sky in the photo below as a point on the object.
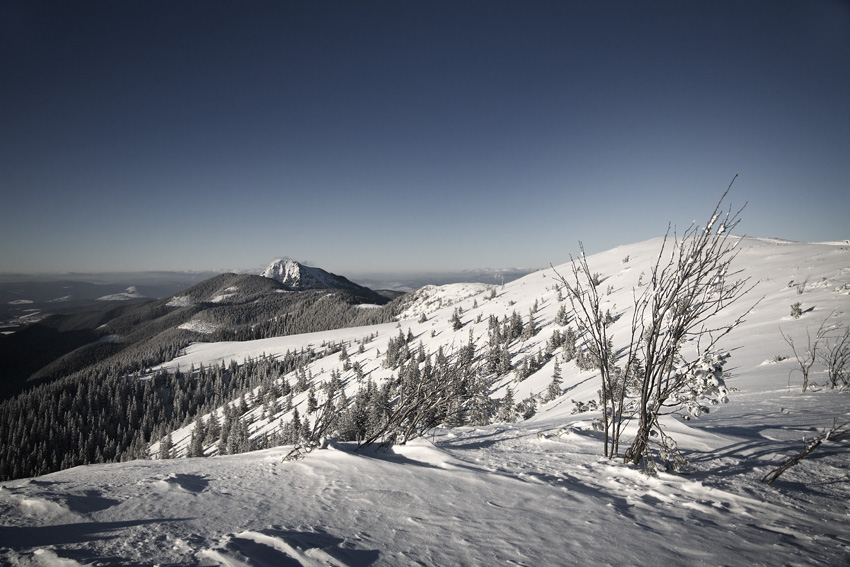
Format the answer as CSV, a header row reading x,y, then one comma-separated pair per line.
x,y
411,136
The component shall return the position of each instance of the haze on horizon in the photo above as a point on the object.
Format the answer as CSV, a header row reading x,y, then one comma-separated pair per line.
x,y
411,137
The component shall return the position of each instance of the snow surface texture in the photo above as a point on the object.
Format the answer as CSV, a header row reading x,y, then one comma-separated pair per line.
x,y
536,492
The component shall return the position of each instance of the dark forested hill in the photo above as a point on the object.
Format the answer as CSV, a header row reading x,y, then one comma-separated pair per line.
x,y
68,383
141,333
24,353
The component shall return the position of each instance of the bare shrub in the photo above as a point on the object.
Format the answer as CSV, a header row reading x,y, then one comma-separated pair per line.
x,y
690,282
808,354
836,357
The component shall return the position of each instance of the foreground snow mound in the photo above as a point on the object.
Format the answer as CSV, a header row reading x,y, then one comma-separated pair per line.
x,y
278,546
534,493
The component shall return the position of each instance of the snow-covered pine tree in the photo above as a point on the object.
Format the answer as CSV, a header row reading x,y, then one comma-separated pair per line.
x,y
507,408
196,442
166,448
554,390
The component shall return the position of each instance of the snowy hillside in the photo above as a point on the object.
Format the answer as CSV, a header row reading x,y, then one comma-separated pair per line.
x,y
531,492
130,293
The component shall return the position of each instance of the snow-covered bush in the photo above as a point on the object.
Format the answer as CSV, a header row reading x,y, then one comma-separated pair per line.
x,y
703,385
527,407
581,407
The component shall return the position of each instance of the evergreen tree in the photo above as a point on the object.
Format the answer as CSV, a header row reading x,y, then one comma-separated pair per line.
x,y
562,318
554,390
226,428
569,344
196,442
237,440
507,409
455,320
527,407
306,429
524,371
529,330
301,383
296,426
166,448
515,327
213,429
312,403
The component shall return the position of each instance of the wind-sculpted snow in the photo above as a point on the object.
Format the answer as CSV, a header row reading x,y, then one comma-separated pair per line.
x,y
528,494
535,492
277,547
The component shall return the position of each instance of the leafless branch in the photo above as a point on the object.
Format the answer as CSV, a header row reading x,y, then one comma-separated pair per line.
x,y
835,433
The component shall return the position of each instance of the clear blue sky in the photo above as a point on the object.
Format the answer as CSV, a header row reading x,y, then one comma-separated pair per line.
x,y
395,136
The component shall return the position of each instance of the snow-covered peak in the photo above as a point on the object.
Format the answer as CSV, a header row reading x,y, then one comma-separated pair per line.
x,y
300,277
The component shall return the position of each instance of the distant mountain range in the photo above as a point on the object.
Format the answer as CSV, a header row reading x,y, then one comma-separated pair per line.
x,y
25,301
53,329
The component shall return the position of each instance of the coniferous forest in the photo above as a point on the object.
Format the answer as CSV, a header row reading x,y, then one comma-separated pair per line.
x,y
117,407
101,402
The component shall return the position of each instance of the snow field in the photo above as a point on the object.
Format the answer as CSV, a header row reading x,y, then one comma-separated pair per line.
x,y
535,492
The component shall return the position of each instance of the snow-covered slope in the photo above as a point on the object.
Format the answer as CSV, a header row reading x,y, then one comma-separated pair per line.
x,y
817,275
130,293
535,492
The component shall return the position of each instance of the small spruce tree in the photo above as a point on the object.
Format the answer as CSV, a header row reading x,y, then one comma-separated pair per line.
x,y
166,448
554,390
507,408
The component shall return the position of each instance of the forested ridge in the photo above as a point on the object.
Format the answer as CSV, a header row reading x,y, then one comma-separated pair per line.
x,y
91,405
116,409
426,389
